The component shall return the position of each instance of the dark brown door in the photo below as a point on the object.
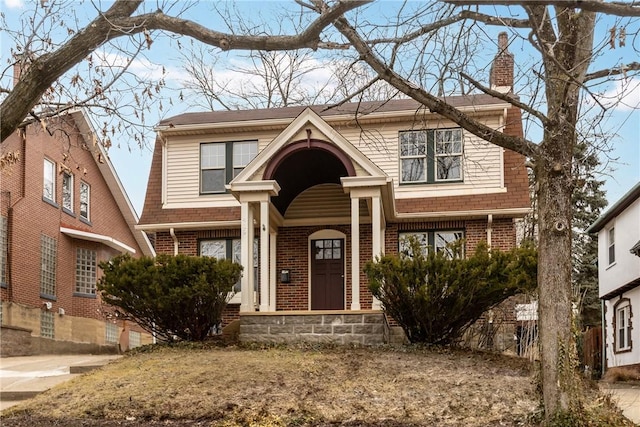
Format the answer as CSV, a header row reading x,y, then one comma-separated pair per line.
x,y
327,274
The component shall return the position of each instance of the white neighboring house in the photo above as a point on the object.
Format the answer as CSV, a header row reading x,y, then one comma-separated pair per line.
x,y
619,278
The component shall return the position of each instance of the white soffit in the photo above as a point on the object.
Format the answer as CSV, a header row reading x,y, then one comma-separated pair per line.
x,y
99,238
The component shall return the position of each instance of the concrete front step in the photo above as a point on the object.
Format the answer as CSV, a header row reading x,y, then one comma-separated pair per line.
x,y
336,327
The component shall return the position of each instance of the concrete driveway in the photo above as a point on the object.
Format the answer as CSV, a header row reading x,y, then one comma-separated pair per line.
x,y
25,377
627,398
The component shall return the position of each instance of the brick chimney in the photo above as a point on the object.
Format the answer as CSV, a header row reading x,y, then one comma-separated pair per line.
x,y
501,75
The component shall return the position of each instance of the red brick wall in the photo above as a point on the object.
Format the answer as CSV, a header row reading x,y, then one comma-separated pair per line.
x,y
292,253
31,216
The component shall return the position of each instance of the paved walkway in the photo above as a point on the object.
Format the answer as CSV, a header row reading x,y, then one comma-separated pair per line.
x,y
627,397
24,377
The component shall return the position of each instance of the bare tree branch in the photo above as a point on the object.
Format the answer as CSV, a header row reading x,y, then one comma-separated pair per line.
x,y
623,69
618,8
434,104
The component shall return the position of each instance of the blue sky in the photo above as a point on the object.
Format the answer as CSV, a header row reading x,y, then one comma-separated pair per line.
x,y
132,163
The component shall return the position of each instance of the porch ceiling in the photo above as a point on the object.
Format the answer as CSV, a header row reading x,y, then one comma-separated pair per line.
x,y
324,201
303,170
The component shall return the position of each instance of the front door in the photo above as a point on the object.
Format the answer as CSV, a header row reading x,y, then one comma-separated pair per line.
x,y
327,274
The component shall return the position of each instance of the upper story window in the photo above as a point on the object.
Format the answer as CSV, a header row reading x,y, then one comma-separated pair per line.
x,y
220,162
85,200
49,181
428,156
611,245
441,241
67,191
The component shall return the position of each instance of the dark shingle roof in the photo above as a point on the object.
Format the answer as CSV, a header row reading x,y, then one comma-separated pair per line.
x,y
323,110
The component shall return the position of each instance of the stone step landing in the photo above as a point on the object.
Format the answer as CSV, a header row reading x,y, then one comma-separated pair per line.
x,y
336,327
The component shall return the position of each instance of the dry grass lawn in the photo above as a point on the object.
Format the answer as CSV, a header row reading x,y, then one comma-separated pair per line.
x,y
292,387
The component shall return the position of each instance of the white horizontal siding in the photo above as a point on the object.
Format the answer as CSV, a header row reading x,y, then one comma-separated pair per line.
x,y
482,166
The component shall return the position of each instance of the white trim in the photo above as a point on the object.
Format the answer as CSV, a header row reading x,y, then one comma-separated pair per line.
x,y
421,191
509,212
100,238
189,225
205,201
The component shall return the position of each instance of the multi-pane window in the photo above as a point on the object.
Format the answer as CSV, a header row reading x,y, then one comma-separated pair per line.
x,y
448,154
441,241
111,333
623,326
67,191
220,162
86,271
85,199
48,255
47,324
230,249
134,339
4,244
611,244
431,156
49,180
328,249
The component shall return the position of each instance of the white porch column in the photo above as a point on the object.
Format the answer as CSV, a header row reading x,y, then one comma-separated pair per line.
x,y
249,194
355,253
273,274
264,255
377,236
246,257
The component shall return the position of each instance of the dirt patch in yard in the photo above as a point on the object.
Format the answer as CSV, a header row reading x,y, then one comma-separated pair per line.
x,y
291,387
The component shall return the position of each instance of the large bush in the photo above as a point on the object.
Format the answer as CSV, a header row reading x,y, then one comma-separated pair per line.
x,y
172,296
435,298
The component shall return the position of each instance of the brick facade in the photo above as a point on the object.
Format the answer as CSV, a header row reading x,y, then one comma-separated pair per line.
x,y
29,216
292,253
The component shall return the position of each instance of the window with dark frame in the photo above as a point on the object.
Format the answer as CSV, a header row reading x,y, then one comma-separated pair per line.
x,y
220,162
85,200
48,255
431,156
67,191
440,240
86,267
49,180
611,244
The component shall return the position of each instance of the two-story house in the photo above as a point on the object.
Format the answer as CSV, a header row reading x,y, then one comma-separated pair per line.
x,y
619,278
303,197
63,210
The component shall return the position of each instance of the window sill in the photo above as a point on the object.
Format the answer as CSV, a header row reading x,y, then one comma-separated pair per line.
x,y
68,212
50,202
613,264
623,350
81,295
414,183
3,285
49,297
86,221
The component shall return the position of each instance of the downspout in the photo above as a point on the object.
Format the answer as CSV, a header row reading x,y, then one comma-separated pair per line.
x,y
489,229
604,338
175,241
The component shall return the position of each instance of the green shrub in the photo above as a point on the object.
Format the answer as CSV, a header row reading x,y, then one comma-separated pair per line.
x,y
172,296
435,298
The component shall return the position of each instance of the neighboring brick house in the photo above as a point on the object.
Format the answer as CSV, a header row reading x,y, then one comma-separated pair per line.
x,y
303,197
619,278
63,210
